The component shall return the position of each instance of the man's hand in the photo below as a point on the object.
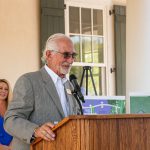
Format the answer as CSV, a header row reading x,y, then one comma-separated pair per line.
x,y
45,132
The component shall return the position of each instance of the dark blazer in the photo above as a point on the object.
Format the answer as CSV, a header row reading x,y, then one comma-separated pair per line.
x,y
35,101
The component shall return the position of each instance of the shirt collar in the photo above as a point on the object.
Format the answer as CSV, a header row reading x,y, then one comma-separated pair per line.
x,y
53,75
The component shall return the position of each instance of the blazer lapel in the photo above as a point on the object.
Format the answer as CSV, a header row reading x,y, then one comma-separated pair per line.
x,y
51,89
68,90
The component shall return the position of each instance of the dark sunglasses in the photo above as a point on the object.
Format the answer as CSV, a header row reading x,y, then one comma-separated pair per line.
x,y
66,55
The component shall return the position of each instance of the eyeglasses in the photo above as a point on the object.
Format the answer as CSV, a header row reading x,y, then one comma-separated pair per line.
x,y
66,55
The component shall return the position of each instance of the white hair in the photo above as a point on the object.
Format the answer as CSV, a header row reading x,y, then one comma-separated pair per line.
x,y
51,44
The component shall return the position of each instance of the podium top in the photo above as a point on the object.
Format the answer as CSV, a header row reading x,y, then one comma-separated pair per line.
x,y
118,116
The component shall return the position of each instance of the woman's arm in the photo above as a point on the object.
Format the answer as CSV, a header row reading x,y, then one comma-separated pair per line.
x,y
4,147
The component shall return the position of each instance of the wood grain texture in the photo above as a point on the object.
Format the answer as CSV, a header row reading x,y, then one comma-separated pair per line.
x,y
100,132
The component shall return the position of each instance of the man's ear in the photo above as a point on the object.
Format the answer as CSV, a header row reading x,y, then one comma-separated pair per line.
x,y
48,53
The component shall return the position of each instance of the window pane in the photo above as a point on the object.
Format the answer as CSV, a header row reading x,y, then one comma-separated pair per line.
x,y
77,71
98,55
86,49
76,41
96,73
86,21
97,22
74,26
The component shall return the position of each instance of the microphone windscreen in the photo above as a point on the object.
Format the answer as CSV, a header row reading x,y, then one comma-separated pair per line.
x,y
72,77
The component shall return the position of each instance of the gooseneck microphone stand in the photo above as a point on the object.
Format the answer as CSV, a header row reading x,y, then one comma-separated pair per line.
x,y
78,101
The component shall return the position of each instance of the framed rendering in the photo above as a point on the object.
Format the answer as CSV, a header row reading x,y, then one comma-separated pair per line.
x,y
104,105
139,103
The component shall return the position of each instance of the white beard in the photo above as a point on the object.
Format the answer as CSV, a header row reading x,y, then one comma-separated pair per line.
x,y
65,71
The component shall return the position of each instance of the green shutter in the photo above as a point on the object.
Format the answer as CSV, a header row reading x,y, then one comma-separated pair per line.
x,y
52,19
120,48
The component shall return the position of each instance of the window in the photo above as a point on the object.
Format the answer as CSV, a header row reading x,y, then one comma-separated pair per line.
x,y
86,31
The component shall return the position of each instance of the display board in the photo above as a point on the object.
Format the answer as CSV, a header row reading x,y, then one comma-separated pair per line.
x,y
139,103
104,105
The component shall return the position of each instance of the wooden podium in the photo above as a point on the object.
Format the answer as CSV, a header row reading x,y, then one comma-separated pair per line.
x,y
100,132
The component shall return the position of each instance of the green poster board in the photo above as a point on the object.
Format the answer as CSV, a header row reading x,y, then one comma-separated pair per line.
x,y
140,104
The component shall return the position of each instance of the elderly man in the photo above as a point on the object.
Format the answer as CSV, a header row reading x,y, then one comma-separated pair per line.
x,y
44,97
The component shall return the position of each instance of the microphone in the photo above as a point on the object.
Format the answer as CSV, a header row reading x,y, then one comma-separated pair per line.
x,y
77,89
